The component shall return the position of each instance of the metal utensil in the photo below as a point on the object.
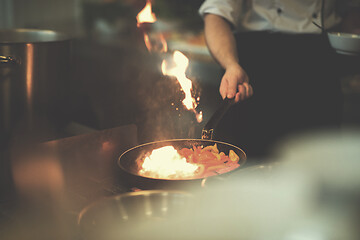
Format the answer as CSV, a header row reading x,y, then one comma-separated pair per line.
x,y
208,130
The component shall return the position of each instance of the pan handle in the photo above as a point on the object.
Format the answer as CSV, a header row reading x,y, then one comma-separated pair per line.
x,y
8,60
208,130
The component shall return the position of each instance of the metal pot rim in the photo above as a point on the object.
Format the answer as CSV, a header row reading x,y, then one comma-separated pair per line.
x,y
106,200
22,35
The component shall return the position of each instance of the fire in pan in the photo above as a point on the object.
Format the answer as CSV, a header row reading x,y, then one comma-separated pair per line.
x,y
167,163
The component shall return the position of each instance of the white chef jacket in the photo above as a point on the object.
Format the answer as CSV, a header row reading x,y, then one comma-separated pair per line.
x,y
291,16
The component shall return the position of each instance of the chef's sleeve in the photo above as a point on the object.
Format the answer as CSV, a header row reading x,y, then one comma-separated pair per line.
x,y
224,8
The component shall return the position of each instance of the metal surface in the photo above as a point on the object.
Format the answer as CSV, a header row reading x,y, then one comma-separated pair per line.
x,y
114,217
34,69
86,163
35,36
7,60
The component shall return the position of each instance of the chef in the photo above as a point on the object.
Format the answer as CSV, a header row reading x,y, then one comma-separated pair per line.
x,y
278,65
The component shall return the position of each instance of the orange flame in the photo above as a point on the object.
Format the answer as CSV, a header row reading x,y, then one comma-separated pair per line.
x,y
146,15
163,43
159,44
166,162
179,71
147,42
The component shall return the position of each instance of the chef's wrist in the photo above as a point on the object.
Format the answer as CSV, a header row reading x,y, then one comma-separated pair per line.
x,y
231,65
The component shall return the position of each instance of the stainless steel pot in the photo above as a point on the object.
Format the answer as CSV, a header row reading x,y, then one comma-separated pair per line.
x,y
34,68
120,216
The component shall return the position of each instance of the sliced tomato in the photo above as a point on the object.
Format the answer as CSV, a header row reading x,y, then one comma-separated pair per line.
x,y
211,148
224,157
207,156
200,171
186,152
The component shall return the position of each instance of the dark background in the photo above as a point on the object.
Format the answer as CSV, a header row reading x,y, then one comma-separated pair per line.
x,y
116,83
114,76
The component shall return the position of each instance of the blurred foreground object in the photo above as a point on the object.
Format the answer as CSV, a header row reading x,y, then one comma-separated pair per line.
x,y
312,192
110,218
345,43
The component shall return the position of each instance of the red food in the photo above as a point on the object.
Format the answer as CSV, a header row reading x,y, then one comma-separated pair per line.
x,y
210,160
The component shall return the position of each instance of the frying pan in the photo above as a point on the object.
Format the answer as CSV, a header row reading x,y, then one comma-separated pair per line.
x,y
128,160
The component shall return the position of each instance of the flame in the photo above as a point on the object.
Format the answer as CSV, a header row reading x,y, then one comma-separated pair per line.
x,y
199,116
147,42
146,15
163,43
158,43
179,71
166,162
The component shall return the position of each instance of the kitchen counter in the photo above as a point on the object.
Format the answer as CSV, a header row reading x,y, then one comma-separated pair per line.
x,y
53,181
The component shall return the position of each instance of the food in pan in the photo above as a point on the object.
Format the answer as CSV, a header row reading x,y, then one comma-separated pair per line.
x,y
187,163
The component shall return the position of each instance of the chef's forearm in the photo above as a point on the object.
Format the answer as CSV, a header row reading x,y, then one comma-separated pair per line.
x,y
220,40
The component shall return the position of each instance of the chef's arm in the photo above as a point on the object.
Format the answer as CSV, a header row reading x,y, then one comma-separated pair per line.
x,y
220,40
222,45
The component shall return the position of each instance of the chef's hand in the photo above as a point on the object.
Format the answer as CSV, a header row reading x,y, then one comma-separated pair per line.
x,y
235,83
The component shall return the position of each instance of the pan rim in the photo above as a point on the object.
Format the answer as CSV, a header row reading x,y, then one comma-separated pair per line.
x,y
243,159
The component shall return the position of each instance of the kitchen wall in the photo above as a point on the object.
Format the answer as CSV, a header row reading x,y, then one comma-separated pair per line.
x,y
6,16
61,15
110,58
70,15
111,63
